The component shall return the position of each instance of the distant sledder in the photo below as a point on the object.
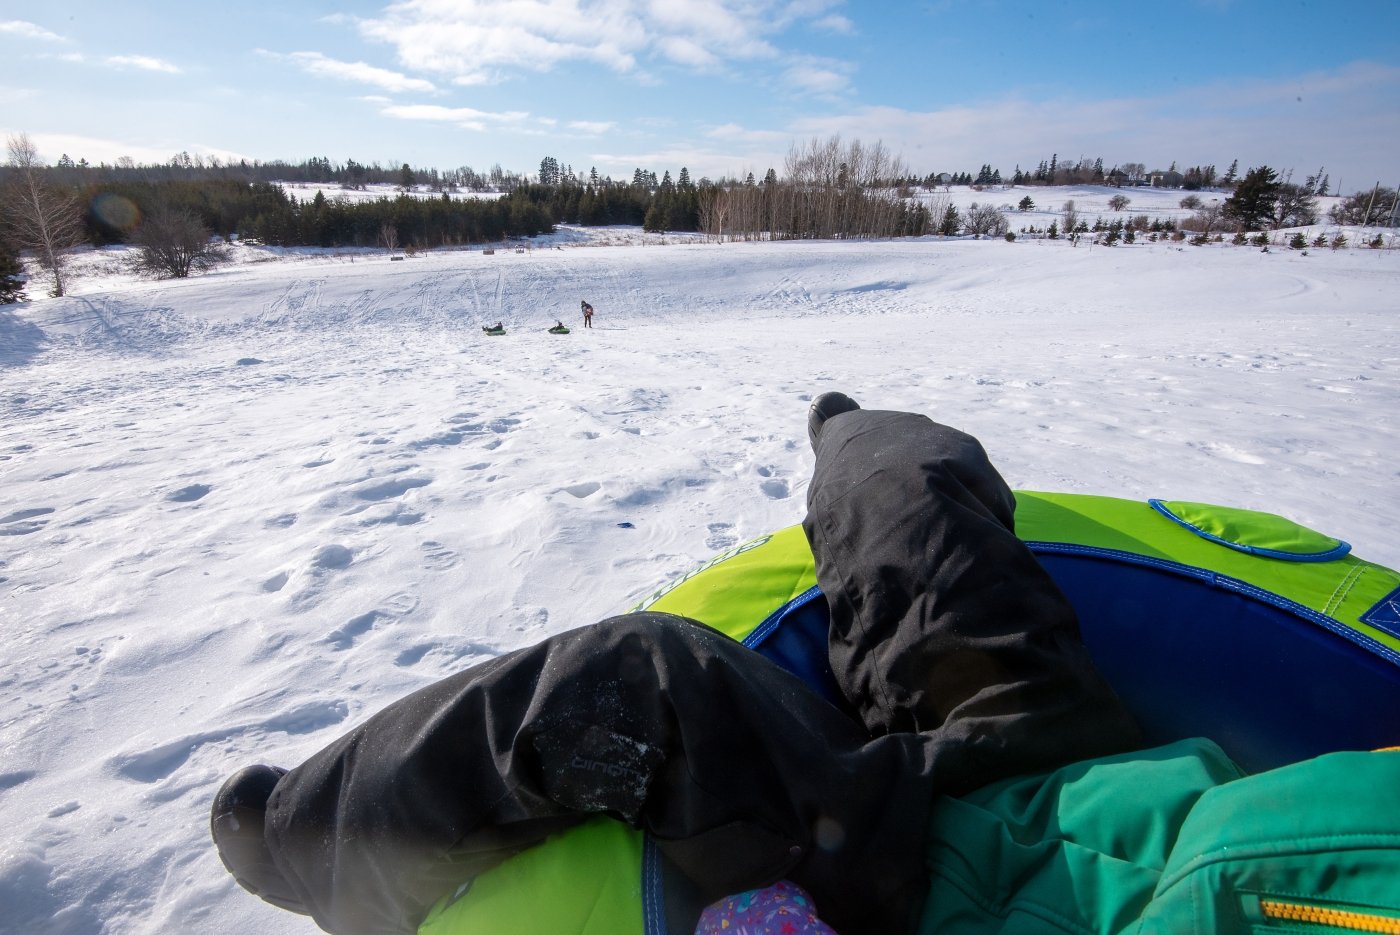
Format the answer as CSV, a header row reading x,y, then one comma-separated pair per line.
x,y
496,329
559,328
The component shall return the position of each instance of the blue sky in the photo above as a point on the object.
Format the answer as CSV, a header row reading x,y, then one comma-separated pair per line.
x,y
722,87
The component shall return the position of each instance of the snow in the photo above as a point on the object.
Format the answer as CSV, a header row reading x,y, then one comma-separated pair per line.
x,y
244,511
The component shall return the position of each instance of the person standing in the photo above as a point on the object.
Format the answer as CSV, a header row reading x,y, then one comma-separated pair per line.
x,y
587,314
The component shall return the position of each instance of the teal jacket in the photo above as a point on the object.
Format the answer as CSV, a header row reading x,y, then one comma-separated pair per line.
x,y
1172,841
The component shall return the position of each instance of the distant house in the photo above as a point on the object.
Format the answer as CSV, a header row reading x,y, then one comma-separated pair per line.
x,y
1169,179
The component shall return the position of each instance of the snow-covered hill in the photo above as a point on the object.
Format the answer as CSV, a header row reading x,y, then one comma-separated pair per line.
x,y
243,511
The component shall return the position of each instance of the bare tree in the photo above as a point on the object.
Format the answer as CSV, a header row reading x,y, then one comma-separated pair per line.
x,y
39,217
985,220
1119,202
1372,206
389,236
172,243
1295,207
1209,216
1071,215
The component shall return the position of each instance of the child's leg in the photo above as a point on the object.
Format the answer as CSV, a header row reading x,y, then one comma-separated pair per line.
x,y
942,621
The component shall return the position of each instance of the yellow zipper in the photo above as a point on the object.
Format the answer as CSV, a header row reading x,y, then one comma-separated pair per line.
x,y
1347,920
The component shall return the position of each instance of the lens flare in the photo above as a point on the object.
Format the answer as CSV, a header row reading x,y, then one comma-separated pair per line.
x,y
116,211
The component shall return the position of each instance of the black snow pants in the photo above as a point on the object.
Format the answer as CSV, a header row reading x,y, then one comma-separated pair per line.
x,y
955,648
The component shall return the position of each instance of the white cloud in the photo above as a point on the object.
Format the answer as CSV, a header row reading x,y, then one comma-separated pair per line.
x,y
594,127
810,78
9,95
732,131
467,118
480,41
835,23
98,150
143,62
314,63
28,30
1314,119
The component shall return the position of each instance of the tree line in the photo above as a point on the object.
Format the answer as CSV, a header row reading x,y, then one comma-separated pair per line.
x,y
828,189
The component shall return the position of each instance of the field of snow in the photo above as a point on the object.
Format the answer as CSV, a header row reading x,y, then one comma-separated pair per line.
x,y
244,511
306,191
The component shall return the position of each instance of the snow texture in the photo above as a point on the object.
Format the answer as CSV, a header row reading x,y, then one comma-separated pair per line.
x,y
244,511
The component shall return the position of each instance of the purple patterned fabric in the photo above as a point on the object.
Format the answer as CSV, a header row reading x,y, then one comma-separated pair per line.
x,y
781,909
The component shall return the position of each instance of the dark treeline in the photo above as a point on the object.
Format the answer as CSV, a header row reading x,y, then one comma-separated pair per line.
x,y
828,189
319,170
657,205
265,212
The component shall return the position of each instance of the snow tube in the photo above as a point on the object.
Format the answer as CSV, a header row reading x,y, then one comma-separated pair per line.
x,y
493,330
1268,638
558,329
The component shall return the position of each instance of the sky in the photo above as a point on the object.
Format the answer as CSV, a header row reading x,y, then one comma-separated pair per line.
x,y
721,87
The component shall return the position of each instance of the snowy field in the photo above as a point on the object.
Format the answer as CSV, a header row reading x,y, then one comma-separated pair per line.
x,y
306,191
242,512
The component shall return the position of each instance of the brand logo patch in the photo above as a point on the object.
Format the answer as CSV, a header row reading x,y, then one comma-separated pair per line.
x,y
1385,615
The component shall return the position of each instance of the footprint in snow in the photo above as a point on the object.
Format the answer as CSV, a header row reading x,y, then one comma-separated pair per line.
x,y
721,537
437,556
189,494
158,762
776,489
24,522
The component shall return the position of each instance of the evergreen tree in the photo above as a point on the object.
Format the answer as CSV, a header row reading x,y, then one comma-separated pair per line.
x,y
406,178
950,223
1252,204
11,286
1232,173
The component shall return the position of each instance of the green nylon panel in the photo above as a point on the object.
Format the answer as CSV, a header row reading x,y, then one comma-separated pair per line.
x,y
735,591
1343,589
1325,831
587,880
1252,528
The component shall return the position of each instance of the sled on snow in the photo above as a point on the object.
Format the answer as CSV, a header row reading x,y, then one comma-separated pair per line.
x,y
1269,639
559,329
496,329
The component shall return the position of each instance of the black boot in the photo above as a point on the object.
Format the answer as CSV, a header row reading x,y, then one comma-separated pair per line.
x,y
236,822
824,407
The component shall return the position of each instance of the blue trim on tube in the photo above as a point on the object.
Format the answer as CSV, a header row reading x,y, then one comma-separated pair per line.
x,y
1336,552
